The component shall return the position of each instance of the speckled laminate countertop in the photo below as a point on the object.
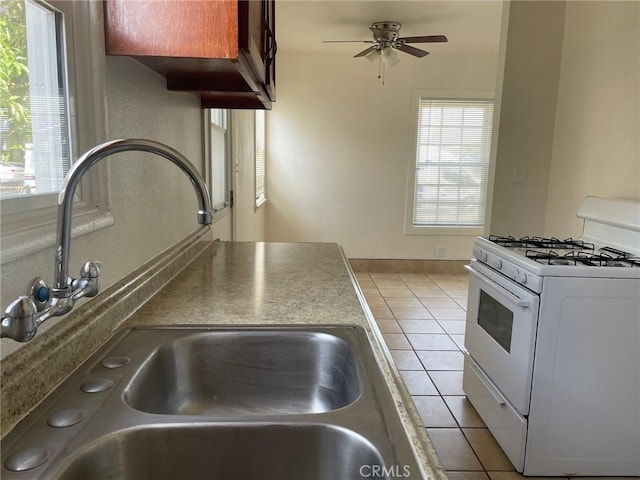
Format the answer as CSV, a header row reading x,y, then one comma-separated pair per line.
x,y
226,283
259,283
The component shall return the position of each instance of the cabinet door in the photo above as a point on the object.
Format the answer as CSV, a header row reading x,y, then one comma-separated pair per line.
x,y
270,48
251,35
172,29
257,40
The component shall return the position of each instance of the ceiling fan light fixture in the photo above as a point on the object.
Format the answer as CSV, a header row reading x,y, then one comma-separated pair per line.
x,y
387,40
390,56
373,56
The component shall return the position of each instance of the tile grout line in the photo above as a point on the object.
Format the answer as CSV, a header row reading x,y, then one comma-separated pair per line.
x,y
424,367
438,389
510,474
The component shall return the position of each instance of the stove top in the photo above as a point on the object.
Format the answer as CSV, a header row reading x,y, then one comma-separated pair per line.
x,y
553,251
541,242
610,239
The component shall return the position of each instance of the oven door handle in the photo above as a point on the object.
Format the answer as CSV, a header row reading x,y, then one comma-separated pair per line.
x,y
513,298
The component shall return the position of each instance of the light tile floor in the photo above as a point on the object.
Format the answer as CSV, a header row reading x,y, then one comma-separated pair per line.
x,y
421,317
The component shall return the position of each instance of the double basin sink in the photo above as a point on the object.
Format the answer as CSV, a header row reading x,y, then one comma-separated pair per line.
x,y
216,403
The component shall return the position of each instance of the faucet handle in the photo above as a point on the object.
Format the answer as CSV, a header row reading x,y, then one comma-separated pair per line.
x,y
19,320
88,283
90,269
39,292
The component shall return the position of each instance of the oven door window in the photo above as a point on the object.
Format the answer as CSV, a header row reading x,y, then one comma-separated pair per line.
x,y
496,320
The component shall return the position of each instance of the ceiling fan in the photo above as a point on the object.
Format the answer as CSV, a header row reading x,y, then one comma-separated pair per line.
x,y
387,35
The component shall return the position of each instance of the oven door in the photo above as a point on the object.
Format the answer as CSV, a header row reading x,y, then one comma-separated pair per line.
x,y
500,332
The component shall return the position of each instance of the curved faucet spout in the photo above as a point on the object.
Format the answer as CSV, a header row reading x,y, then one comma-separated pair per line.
x,y
25,314
62,282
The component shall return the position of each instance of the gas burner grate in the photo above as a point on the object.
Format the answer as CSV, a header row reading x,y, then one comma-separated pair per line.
x,y
551,258
541,242
588,258
625,261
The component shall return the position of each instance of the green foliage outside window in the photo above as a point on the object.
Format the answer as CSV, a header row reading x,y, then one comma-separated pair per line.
x,y
15,117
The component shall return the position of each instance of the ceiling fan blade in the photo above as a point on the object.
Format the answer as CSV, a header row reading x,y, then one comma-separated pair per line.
x,y
425,39
416,52
348,41
366,52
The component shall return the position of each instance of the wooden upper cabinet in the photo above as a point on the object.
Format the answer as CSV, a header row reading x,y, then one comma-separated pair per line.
x,y
223,50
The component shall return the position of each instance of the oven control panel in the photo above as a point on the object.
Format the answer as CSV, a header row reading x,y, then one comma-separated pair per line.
x,y
507,268
518,275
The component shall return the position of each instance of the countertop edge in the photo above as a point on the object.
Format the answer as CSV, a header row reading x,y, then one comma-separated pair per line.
x,y
411,421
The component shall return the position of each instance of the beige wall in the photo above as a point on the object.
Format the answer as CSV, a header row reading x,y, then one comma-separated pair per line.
x,y
248,222
527,117
570,113
596,149
339,146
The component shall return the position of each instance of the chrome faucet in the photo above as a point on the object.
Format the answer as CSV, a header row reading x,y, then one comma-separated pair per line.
x,y
26,313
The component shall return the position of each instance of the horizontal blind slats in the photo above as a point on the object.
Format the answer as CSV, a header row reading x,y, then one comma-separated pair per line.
x,y
452,162
260,156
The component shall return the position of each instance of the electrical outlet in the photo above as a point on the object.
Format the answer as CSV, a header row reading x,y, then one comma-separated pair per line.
x,y
440,251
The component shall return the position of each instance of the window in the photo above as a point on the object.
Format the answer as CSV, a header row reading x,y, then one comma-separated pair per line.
x,y
35,141
451,163
50,111
260,158
219,158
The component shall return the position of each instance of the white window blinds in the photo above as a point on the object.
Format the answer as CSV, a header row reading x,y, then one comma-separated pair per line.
x,y
260,157
452,162
35,138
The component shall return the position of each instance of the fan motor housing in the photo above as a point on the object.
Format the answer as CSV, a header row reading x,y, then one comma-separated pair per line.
x,y
387,31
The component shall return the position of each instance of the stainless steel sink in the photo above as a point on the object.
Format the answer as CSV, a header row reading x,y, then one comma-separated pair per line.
x,y
248,403
246,452
249,373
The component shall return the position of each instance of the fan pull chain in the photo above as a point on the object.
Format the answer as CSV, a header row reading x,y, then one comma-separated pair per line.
x,y
381,66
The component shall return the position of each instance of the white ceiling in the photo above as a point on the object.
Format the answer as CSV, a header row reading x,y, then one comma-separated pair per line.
x,y
471,26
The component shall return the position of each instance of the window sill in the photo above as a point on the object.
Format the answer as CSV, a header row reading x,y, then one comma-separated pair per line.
x,y
260,202
450,231
220,214
22,242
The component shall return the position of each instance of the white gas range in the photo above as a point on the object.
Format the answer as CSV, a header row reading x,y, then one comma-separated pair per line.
x,y
553,344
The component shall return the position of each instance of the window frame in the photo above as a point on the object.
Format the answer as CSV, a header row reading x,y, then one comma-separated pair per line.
x,y
260,197
28,223
218,212
466,95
